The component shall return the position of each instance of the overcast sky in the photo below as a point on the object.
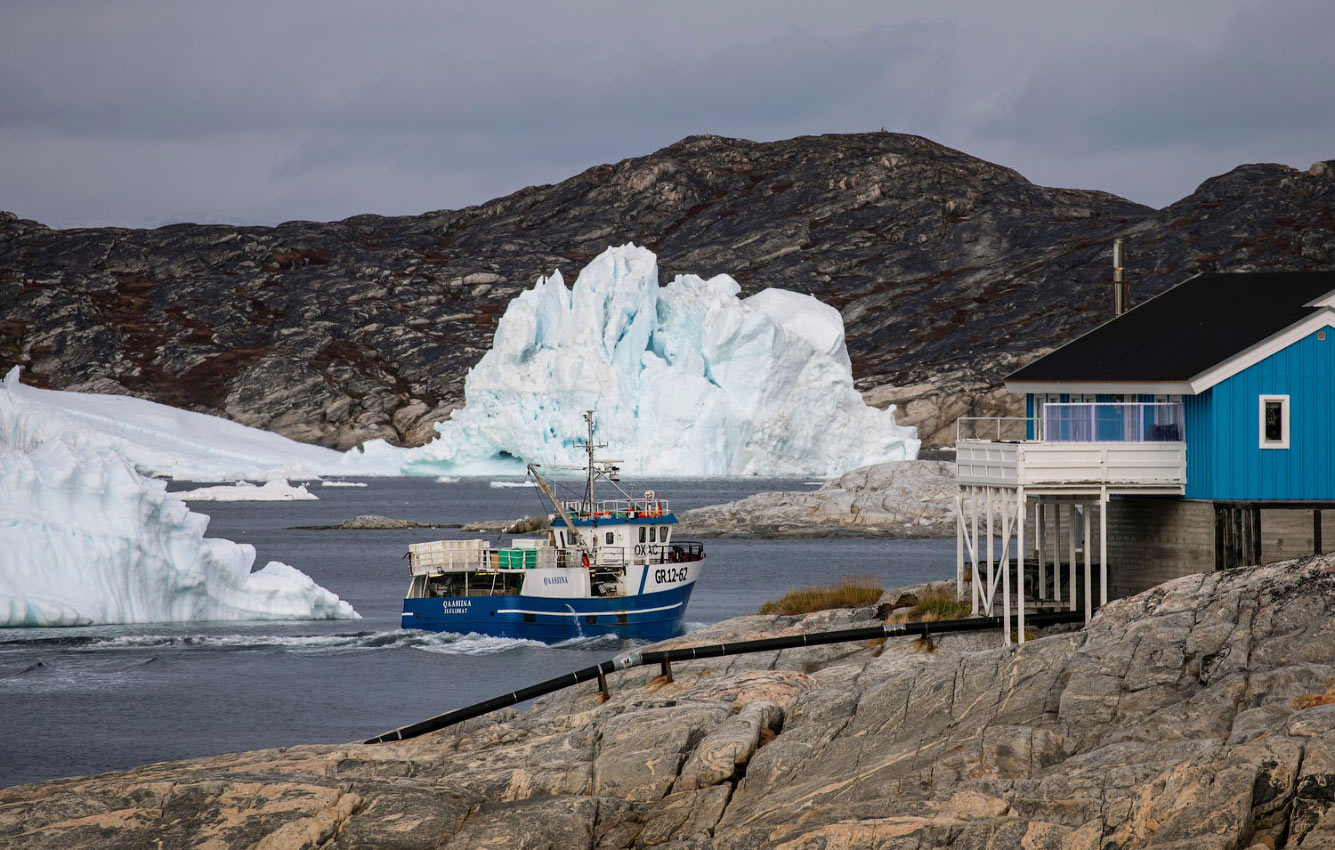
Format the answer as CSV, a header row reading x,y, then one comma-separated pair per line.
x,y
143,113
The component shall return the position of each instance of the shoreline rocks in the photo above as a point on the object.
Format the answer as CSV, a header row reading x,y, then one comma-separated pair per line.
x,y
912,498
1200,713
375,522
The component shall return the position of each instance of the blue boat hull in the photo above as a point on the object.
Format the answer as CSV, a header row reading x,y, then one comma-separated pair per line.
x,y
649,616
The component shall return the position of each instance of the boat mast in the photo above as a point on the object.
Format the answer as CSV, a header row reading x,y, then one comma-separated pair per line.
x,y
589,448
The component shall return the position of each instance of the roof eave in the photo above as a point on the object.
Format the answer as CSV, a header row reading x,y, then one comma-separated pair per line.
x,y
1324,317
1102,387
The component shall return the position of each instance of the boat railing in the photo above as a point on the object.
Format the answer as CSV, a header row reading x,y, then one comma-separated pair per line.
x,y
685,551
614,509
477,557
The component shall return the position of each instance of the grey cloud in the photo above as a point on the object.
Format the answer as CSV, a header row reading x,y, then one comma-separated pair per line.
x,y
146,111
1270,76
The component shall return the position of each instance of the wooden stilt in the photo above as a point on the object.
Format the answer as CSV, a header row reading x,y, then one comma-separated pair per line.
x,y
1089,556
1070,575
665,667
1256,534
602,686
1103,547
991,573
1316,532
977,573
1005,574
1022,509
1040,546
959,546
1057,552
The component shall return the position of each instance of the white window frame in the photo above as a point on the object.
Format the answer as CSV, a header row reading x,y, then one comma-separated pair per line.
x,y
1283,419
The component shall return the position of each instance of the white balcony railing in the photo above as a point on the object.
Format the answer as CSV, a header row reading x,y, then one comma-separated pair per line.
x,y
1079,422
1128,447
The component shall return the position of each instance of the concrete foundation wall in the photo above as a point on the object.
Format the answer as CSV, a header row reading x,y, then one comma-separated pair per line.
x,y
1154,540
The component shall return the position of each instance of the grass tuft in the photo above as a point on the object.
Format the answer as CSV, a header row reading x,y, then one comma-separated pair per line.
x,y
938,603
848,592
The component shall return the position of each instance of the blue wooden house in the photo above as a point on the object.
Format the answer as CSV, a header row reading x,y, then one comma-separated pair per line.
x,y
1176,424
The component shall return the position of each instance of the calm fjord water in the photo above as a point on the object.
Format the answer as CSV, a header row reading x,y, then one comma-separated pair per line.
x,y
85,700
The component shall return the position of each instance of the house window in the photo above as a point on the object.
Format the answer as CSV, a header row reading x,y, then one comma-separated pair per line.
x,y
1274,415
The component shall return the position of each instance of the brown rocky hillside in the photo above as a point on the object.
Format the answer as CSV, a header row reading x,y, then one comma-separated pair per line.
x,y
949,270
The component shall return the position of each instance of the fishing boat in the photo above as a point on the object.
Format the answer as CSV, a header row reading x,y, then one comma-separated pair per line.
x,y
605,567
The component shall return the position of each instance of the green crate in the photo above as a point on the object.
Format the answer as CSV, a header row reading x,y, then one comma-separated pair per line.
x,y
517,559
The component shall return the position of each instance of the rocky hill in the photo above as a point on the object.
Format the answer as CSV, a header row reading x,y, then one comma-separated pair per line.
x,y
1199,714
949,272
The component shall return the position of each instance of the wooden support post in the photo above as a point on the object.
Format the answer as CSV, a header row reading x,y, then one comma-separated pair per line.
x,y
991,573
1256,534
1070,574
1218,538
1040,546
602,686
1316,531
1006,575
665,668
1237,538
977,574
1022,509
959,546
1056,553
1103,547
1089,556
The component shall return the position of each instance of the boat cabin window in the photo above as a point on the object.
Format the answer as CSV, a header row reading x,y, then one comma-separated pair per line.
x,y
653,534
609,538
644,533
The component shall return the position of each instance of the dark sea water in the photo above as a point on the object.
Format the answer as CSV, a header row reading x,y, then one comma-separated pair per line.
x,y
85,700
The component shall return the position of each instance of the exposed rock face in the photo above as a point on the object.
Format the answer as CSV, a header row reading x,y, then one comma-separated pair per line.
x,y
912,498
1200,714
950,271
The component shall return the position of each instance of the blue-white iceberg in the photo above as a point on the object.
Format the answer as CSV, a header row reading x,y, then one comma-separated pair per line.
x,y
686,379
85,539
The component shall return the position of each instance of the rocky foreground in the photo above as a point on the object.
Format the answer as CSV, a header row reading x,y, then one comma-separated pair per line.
x,y
1199,714
913,498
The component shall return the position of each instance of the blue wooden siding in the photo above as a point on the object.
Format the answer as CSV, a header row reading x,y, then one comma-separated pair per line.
x,y
1200,443
1224,457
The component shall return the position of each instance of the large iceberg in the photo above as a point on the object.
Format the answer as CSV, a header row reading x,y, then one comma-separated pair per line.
x,y
168,441
686,379
85,539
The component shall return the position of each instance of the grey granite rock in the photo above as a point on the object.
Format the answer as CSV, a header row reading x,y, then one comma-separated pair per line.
x,y
1194,715
904,499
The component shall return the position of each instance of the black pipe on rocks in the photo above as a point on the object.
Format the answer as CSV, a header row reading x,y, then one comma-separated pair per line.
x,y
666,656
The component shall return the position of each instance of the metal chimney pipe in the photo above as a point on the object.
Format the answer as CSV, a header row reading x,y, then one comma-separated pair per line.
x,y
1121,292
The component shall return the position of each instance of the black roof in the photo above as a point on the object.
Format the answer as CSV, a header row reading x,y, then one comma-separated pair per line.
x,y
1186,330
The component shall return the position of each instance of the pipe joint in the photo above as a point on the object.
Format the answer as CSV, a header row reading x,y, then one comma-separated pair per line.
x,y
626,660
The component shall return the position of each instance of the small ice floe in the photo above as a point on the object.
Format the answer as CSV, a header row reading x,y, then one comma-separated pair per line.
x,y
342,483
272,491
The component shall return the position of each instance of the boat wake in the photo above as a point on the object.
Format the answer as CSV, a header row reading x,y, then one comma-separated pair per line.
x,y
442,643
